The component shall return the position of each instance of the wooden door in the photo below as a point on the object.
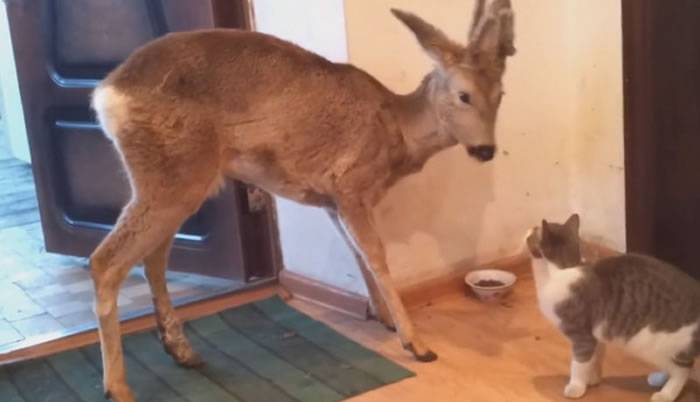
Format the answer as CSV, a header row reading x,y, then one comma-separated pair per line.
x,y
62,50
662,129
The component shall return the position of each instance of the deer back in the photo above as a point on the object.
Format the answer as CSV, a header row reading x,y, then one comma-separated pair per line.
x,y
285,118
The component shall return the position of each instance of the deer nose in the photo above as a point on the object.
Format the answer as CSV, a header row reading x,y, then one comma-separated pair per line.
x,y
482,152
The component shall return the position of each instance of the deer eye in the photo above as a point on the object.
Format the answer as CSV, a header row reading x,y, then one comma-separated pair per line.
x,y
465,98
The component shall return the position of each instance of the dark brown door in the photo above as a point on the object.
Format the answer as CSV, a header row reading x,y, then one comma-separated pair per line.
x,y
662,129
62,49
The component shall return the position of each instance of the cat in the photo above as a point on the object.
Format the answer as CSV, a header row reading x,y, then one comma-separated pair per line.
x,y
649,307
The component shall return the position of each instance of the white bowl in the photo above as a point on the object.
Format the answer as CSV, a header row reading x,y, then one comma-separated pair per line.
x,y
490,293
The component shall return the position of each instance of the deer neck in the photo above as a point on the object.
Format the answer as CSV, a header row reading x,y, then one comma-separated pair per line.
x,y
420,125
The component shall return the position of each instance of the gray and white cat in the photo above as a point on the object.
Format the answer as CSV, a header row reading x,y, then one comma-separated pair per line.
x,y
648,306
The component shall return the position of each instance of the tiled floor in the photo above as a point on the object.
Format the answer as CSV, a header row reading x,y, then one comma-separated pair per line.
x,y
44,294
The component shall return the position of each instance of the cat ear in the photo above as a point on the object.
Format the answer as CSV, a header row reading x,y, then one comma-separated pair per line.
x,y
545,229
573,223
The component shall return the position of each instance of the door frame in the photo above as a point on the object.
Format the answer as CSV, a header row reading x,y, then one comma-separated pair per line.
x,y
661,63
639,138
255,247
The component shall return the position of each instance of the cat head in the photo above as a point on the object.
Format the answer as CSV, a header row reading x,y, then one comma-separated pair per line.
x,y
557,243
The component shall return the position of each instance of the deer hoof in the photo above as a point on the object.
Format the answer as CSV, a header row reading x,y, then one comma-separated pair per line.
x,y
120,394
388,323
426,356
183,355
191,360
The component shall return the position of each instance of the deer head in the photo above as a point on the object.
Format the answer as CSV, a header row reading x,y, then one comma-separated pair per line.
x,y
465,88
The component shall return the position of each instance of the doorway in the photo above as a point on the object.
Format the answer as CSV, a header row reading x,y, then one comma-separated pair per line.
x,y
56,209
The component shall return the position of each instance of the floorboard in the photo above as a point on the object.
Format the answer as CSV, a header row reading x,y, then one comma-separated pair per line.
x,y
490,353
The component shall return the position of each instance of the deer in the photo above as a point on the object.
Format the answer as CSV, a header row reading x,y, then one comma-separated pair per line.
x,y
189,110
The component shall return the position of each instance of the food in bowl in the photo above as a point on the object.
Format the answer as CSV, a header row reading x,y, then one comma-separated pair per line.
x,y
490,285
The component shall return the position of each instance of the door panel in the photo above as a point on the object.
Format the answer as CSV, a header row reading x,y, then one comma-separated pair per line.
x,y
62,49
78,45
662,127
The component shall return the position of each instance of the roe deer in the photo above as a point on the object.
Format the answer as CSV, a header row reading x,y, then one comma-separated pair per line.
x,y
189,109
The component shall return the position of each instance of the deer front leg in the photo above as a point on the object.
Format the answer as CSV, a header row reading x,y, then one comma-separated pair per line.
x,y
169,326
359,222
378,308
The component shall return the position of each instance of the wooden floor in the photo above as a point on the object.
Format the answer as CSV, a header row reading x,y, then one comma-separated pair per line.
x,y
490,353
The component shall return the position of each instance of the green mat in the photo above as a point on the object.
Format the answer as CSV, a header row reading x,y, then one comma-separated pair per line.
x,y
260,352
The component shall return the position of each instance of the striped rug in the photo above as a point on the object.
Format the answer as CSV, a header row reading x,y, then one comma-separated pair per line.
x,y
260,352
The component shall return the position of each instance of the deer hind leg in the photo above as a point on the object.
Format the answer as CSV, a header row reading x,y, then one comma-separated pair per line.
x,y
169,326
139,230
378,308
163,199
358,219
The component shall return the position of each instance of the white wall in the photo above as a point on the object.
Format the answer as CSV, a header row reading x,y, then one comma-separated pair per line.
x,y
310,244
597,140
560,136
15,132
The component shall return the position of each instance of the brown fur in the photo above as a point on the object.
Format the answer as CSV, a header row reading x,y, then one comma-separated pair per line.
x,y
191,108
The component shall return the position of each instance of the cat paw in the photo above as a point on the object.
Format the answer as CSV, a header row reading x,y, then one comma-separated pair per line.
x,y
574,390
660,397
657,379
595,379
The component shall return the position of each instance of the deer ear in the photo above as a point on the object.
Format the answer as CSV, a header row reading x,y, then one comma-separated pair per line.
x,y
491,38
435,43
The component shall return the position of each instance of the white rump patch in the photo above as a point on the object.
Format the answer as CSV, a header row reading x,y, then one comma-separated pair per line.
x,y
111,107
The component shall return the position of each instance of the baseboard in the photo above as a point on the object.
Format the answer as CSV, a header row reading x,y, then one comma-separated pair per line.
x,y
413,296
325,295
417,295
425,292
